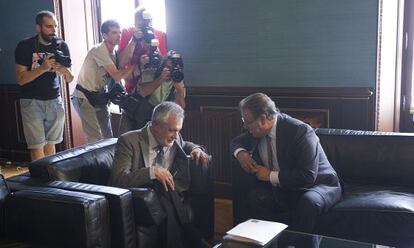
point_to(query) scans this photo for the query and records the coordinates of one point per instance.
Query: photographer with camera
(98, 71)
(137, 41)
(166, 84)
(39, 61)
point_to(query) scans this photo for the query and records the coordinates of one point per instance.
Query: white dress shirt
(169, 153)
(263, 152)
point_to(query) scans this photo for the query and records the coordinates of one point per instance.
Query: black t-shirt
(27, 53)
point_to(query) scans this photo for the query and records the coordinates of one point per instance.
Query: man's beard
(47, 38)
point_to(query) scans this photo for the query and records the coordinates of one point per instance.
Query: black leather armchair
(48, 217)
(87, 169)
(377, 171)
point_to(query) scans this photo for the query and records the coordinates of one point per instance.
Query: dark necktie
(270, 151)
(160, 155)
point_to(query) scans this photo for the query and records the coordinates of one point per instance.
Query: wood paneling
(12, 143)
(212, 117)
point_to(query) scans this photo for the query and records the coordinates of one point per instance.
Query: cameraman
(98, 71)
(37, 71)
(162, 88)
(135, 42)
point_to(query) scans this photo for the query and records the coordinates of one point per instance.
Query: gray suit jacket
(131, 162)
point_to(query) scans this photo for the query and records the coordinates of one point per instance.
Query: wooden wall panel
(12, 143)
(212, 117)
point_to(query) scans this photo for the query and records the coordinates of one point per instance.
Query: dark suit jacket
(131, 157)
(302, 161)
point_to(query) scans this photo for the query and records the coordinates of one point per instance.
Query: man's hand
(165, 177)
(137, 34)
(246, 161)
(48, 62)
(262, 173)
(165, 75)
(199, 156)
(179, 87)
(60, 69)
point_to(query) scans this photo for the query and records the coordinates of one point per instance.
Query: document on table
(253, 231)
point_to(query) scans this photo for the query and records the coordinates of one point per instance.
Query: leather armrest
(57, 218)
(147, 207)
(120, 201)
(201, 177)
(200, 197)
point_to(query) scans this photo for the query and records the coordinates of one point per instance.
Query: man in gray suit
(284, 174)
(155, 156)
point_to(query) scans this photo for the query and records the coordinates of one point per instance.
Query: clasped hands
(250, 166)
(50, 64)
(165, 177)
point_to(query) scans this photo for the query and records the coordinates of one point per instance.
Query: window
(122, 11)
(157, 10)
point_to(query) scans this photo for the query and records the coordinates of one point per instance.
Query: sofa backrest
(369, 157)
(90, 163)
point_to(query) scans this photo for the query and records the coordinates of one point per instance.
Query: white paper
(256, 231)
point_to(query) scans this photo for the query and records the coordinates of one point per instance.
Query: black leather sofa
(377, 174)
(86, 169)
(49, 217)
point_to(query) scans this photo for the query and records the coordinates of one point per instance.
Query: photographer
(39, 61)
(98, 71)
(135, 42)
(167, 85)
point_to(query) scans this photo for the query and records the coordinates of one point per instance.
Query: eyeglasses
(247, 123)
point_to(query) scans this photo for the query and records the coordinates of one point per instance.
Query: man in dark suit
(284, 174)
(155, 156)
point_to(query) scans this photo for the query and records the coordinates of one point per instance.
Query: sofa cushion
(368, 211)
(90, 163)
(369, 157)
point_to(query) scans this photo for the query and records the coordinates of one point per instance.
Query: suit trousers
(300, 209)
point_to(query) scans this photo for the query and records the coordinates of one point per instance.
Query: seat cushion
(371, 211)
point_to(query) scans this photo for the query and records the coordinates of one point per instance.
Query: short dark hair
(109, 24)
(259, 104)
(43, 13)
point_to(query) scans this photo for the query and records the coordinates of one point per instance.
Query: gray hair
(259, 104)
(162, 112)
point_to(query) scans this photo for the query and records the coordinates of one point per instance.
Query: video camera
(57, 54)
(117, 94)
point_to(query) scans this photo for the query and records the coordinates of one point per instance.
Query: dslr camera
(58, 55)
(147, 30)
(177, 66)
(154, 56)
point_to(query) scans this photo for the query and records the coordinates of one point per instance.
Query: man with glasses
(284, 174)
